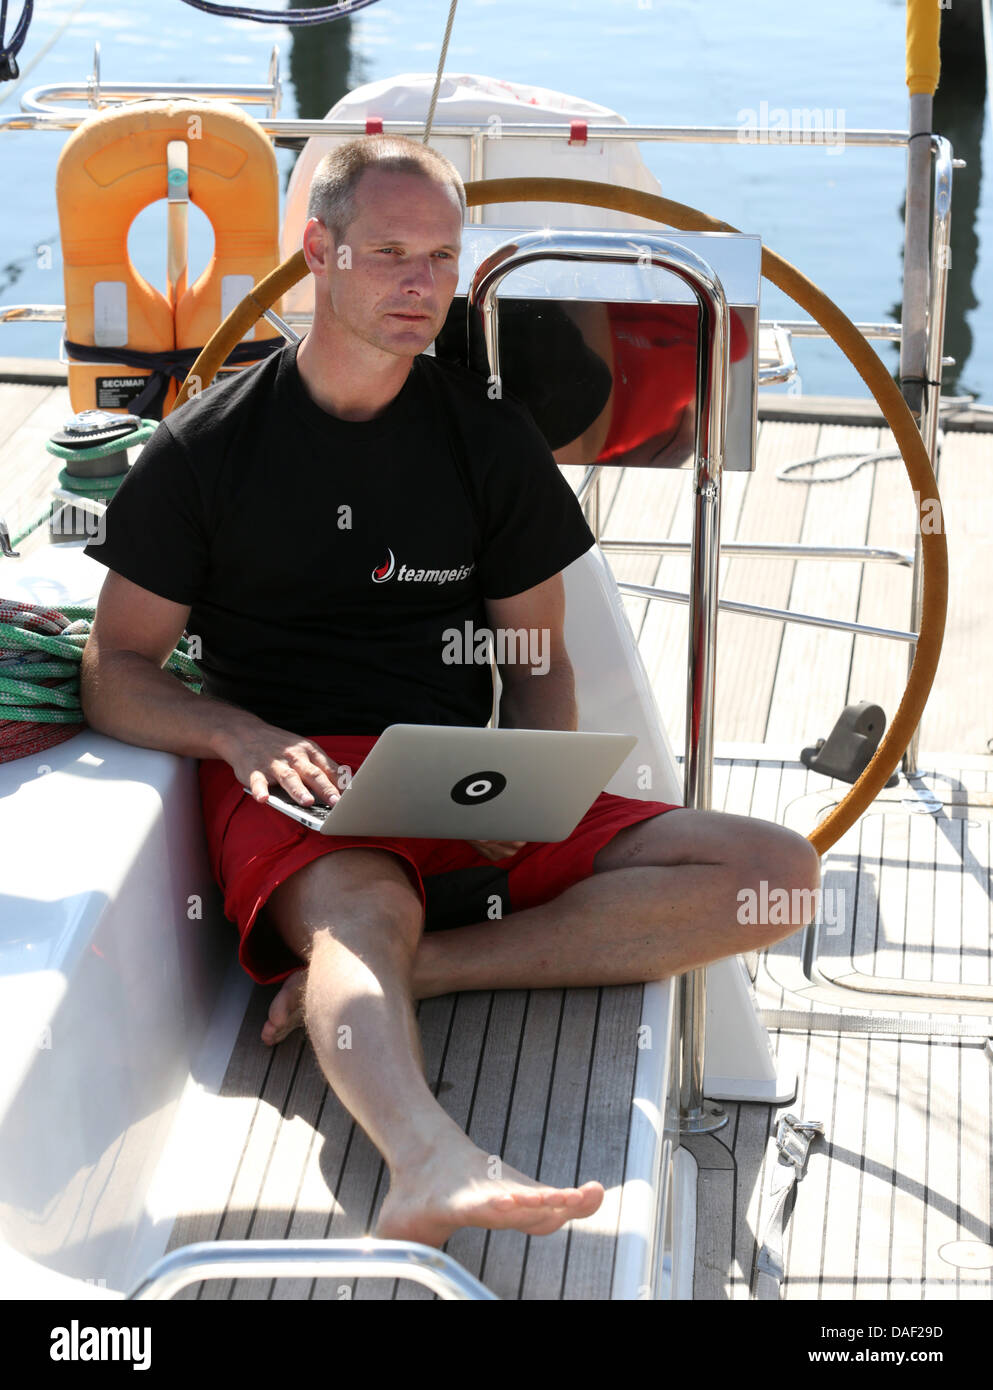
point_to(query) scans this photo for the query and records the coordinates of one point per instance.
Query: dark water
(835, 213)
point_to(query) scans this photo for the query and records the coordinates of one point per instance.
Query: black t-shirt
(327, 562)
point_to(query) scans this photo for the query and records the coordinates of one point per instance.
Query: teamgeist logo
(407, 573)
(385, 571)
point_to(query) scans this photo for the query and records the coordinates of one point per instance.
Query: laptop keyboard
(318, 810)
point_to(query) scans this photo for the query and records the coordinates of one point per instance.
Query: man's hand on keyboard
(268, 756)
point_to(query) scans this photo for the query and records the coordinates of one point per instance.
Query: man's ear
(317, 246)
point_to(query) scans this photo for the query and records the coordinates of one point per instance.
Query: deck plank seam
(315, 1130)
(472, 1098)
(544, 1133)
(223, 1216)
(512, 1091)
(582, 1134)
(333, 1208)
(627, 1148)
(232, 1284)
(268, 1163)
(860, 1191)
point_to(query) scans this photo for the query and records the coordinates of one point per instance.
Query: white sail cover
(488, 101)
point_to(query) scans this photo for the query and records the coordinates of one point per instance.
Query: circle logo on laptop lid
(478, 787)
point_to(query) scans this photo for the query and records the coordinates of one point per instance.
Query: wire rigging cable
(441, 68)
(291, 18)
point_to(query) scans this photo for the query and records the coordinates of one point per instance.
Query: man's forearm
(540, 701)
(130, 698)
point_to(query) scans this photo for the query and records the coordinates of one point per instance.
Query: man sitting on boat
(279, 509)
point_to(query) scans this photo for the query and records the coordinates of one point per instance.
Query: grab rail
(298, 128)
(934, 336)
(696, 1115)
(756, 610)
(862, 553)
(310, 1259)
(95, 92)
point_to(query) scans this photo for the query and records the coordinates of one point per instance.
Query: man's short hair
(332, 189)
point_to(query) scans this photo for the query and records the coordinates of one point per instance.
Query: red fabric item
(252, 849)
(21, 738)
(655, 370)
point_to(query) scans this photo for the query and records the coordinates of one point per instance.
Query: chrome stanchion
(696, 1115)
(931, 391)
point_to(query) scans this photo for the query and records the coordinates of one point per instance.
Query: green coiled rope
(40, 654)
(41, 647)
(30, 687)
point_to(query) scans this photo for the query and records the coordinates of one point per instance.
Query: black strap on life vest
(164, 366)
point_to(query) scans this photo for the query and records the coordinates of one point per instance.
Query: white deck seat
(613, 691)
(614, 695)
(112, 952)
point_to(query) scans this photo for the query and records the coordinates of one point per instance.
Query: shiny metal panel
(566, 318)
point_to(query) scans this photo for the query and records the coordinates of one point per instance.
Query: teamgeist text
(407, 572)
(388, 570)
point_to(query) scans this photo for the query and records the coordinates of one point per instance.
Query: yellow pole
(923, 59)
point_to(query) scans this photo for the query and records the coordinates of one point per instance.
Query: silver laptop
(447, 782)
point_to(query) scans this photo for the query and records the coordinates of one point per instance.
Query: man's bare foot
(428, 1203)
(286, 1010)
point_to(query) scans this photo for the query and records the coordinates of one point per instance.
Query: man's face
(394, 285)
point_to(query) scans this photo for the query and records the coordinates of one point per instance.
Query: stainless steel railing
(797, 551)
(780, 614)
(37, 116)
(589, 490)
(696, 1115)
(97, 93)
(310, 1259)
(941, 151)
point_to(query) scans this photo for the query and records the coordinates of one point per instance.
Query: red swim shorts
(253, 848)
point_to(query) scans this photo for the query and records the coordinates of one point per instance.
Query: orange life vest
(113, 166)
